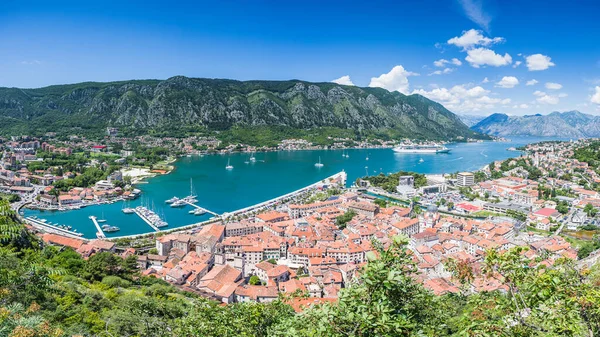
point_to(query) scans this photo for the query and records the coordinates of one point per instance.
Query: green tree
(254, 280)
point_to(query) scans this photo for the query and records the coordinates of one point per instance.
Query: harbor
(263, 182)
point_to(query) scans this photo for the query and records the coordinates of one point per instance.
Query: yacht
(252, 158)
(110, 229)
(228, 167)
(416, 148)
(128, 210)
(178, 203)
(172, 200)
(319, 164)
(199, 211)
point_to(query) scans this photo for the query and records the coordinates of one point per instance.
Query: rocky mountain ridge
(221, 104)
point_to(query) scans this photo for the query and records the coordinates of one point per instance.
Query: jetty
(51, 228)
(198, 207)
(100, 234)
(146, 220)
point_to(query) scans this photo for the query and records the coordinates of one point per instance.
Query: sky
(475, 57)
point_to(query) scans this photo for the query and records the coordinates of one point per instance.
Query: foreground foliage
(54, 292)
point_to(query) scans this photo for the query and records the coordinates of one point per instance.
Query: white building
(465, 179)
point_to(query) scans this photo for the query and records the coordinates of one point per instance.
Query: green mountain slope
(179, 102)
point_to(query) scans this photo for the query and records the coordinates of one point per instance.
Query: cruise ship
(416, 148)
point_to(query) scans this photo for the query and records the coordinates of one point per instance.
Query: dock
(146, 220)
(100, 234)
(52, 229)
(198, 207)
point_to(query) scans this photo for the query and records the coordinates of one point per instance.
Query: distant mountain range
(144, 106)
(566, 124)
(471, 120)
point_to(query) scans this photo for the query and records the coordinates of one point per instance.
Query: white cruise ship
(415, 148)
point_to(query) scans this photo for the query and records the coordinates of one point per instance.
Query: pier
(198, 207)
(146, 220)
(52, 229)
(100, 234)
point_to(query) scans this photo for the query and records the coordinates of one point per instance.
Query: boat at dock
(172, 200)
(110, 229)
(128, 210)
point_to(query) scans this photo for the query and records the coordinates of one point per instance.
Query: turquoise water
(273, 174)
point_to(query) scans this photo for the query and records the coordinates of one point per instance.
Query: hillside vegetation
(180, 104)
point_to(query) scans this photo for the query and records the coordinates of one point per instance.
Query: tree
(102, 264)
(381, 203)
(385, 301)
(540, 300)
(254, 280)
(345, 218)
(590, 210)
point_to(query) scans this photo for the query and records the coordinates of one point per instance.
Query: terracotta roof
(62, 241)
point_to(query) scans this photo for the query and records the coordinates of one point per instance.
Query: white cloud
(544, 98)
(462, 98)
(508, 82)
(562, 95)
(488, 100)
(344, 80)
(531, 82)
(485, 80)
(442, 72)
(521, 106)
(553, 86)
(32, 62)
(538, 62)
(474, 11)
(395, 80)
(471, 38)
(443, 62)
(517, 63)
(596, 97)
(440, 63)
(482, 56)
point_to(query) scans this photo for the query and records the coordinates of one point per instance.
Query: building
(465, 179)
(406, 187)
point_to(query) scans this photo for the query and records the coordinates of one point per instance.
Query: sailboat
(252, 158)
(319, 164)
(367, 157)
(102, 220)
(228, 167)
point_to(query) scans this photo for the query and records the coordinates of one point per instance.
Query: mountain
(566, 124)
(471, 120)
(142, 106)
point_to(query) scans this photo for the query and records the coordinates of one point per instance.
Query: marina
(150, 217)
(273, 174)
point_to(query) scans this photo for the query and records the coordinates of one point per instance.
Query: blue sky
(487, 51)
